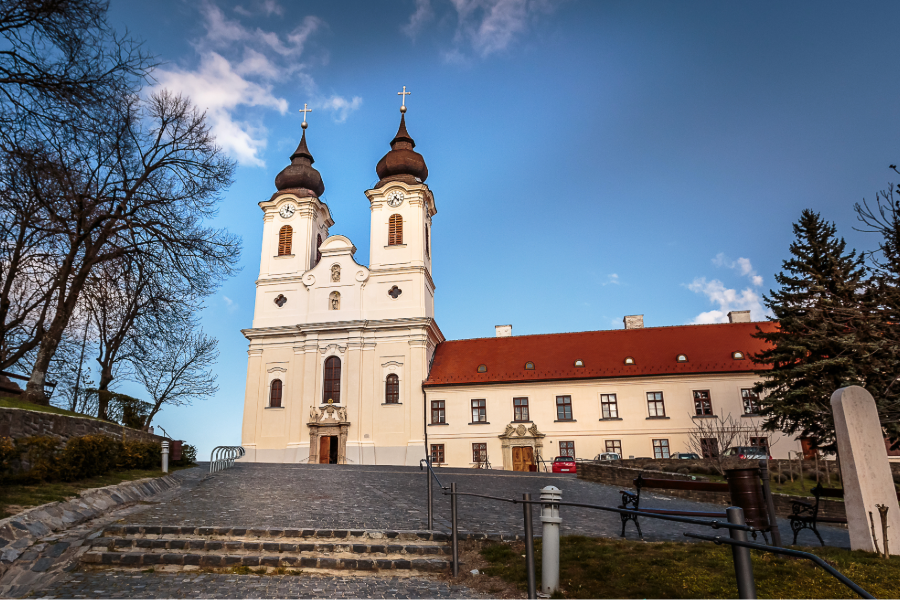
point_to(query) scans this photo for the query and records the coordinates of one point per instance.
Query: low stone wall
(19, 423)
(624, 476)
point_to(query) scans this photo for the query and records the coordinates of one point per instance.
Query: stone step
(418, 536)
(256, 546)
(216, 561)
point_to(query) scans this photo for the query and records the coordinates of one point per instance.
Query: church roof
(401, 163)
(300, 175)
(655, 351)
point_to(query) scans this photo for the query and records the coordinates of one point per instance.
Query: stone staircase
(191, 548)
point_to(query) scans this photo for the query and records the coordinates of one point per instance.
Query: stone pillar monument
(864, 469)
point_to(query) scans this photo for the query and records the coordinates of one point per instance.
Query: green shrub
(9, 452)
(89, 456)
(40, 456)
(140, 455)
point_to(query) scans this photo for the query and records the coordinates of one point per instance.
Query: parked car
(608, 456)
(564, 464)
(751, 452)
(686, 455)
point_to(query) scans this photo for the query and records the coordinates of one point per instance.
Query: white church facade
(347, 365)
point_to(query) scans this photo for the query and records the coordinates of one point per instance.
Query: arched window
(318, 243)
(275, 394)
(392, 389)
(395, 230)
(332, 387)
(285, 234)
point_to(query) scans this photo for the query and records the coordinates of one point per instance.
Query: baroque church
(347, 365)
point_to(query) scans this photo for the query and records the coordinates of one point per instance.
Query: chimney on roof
(503, 330)
(634, 321)
(739, 316)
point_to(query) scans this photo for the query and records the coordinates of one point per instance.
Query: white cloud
(266, 7)
(613, 279)
(487, 26)
(230, 305)
(340, 106)
(727, 299)
(419, 18)
(741, 265)
(238, 68)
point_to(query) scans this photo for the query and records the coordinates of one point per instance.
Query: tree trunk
(34, 390)
(102, 397)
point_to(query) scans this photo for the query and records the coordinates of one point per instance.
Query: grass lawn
(14, 497)
(609, 568)
(14, 403)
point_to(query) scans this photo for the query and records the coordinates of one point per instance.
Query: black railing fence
(734, 523)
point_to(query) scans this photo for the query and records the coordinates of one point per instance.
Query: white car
(608, 456)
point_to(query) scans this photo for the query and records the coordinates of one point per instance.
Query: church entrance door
(328, 450)
(523, 458)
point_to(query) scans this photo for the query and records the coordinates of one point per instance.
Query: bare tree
(176, 369)
(710, 437)
(145, 179)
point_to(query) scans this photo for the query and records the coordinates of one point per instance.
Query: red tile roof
(708, 349)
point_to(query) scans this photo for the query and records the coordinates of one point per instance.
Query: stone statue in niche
(335, 273)
(334, 301)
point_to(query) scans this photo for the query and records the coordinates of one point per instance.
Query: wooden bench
(805, 515)
(632, 501)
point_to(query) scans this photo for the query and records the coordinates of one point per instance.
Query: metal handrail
(787, 552)
(223, 457)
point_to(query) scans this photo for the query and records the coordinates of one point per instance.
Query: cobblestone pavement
(192, 585)
(383, 497)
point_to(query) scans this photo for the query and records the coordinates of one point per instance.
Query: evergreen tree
(825, 336)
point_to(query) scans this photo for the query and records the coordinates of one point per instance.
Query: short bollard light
(550, 496)
(165, 457)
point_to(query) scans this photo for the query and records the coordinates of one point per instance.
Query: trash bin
(175, 450)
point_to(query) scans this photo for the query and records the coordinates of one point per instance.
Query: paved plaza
(382, 497)
(362, 497)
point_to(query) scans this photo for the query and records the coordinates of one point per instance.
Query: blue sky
(589, 159)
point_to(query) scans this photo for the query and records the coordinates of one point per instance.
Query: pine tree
(825, 337)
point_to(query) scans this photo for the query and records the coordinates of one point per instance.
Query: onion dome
(402, 163)
(300, 177)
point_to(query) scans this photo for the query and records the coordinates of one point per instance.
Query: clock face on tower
(286, 211)
(395, 198)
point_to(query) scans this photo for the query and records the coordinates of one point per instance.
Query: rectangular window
(479, 411)
(520, 409)
(709, 447)
(751, 401)
(564, 408)
(614, 446)
(655, 404)
(609, 406)
(660, 448)
(702, 403)
(479, 453)
(437, 454)
(567, 449)
(760, 442)
(437, 411)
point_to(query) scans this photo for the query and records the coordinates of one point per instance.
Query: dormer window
(579, 363)
(681, 358)
(529, 366)
(482, 368)
(629, 360)
(737, 355)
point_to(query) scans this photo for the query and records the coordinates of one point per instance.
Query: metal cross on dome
(403, 95)
(304, 110)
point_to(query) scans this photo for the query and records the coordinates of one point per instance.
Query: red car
(563, 464)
